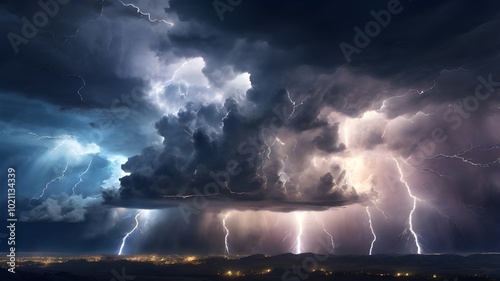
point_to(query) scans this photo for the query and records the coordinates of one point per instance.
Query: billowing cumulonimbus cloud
(61, 208)
(217, 151)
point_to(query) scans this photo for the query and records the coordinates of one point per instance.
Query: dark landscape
(259, 267)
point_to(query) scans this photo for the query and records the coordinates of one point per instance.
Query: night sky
(244, 126)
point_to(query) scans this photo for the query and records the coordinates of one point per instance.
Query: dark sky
(246, 126)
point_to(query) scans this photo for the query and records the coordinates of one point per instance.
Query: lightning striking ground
(226, 234)
(415, 199)
(372, 230)
(298, 242)
(124, 239)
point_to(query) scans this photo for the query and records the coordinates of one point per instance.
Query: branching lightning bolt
(148, 15)
(294, 104)
(159, 87)
(371, 228)
(59, 145)
(415, 199)
(460, 156)
(80, 177)
(124, 239)
(47, 184)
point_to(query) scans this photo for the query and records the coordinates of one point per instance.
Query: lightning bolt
(59, 145)
(226, 233)
(331, 237)
(82, 26)
(81, 87)
(298, 242)
(371, 228)
(384, 213)
(169, 82)
(420, 92)
(40, 137)
(294, 104)
(430, 170)
(384, 102)
(148, 15)
(50, 182)
(124, 239)
(448, 218)
(80, 177)
(460, 156)
(225, 117)
(46, 68)
(159, 87)
(286, 236)
(415, 199)
(283, 176)
(277, 220)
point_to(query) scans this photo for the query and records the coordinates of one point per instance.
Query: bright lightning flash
(124, 239)
(415, 199)
(300, 220)
(371, 228)
(226, 233)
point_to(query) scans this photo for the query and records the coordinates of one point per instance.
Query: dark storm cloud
(279, 36)
(328, 140)
(277, 59)
(299, 75)
(75, 54)
(221, 149)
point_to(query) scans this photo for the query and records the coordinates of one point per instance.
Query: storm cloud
(169, 107)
